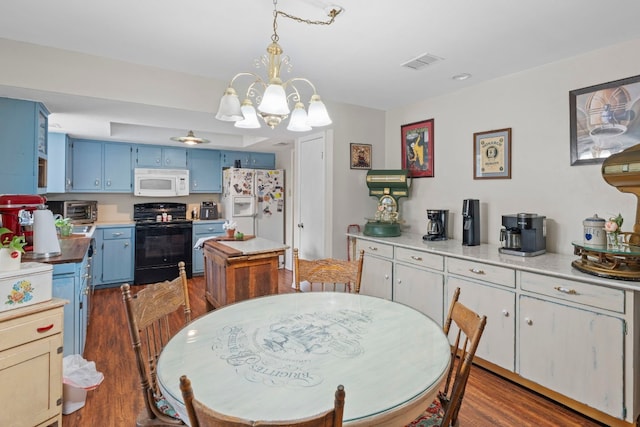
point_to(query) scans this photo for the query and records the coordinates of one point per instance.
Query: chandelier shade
(272, 95)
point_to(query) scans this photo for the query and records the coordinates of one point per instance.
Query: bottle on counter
(194, 214)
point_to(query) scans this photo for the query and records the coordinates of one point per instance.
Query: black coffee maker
(471, 222)
(524, 234)
(436, 224)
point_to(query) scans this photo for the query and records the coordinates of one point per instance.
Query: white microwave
(161, 182)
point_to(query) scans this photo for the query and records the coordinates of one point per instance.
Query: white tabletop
(281, 357)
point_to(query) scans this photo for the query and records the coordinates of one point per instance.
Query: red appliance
(16, 213)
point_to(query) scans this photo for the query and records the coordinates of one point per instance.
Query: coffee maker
(524, 234)
(16, 213)
(471, 222)
(436, 224)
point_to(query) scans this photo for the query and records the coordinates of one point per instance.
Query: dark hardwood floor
(489, 400)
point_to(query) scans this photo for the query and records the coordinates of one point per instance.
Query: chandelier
(273, 95)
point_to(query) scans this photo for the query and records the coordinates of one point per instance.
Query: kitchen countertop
(73, 250)
(255, 246)
(552, 264)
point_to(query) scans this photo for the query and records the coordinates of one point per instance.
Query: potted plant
(230, 226)
(64, 225)
(11, 251)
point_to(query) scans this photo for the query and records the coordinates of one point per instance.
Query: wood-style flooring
(489, 400)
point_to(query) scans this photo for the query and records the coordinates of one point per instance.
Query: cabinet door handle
(416, 258)
(44, 328)
(476, 271)
(97, 183)
(505, 312)
(399, 282)
(528, 321)
(373, 248)
(108, 183)
(126, 244)
(565, 290)
(386, 277)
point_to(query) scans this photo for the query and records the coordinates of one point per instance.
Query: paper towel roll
(45, 238)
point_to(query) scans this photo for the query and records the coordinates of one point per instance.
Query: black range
(163, 238)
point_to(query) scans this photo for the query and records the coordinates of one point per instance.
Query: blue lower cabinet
(204, 229)
(71, 282)
(114, 256)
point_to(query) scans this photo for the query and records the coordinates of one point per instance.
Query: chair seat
(432, 416)
(165, 407)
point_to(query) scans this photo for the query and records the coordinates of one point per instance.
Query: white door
(310, 230)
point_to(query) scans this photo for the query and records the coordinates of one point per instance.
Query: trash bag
(80, 373)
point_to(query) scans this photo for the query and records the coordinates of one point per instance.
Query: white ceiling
(357, 60)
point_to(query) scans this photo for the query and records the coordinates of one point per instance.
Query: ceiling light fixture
(462, 76)
(272, 95)
(190, 139)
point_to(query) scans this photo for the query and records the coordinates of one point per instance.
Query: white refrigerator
(254, 199)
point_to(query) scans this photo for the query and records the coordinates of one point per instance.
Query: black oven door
(159, 248)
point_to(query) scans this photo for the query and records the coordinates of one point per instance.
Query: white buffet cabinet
(568, 335)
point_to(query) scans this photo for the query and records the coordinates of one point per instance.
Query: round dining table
(281, 357)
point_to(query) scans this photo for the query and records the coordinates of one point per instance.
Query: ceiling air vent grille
(421, 61)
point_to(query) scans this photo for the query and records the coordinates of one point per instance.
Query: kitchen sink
(86, 229)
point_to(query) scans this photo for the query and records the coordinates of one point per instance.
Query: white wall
(535, 105)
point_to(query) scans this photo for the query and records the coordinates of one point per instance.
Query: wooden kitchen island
(240, 269)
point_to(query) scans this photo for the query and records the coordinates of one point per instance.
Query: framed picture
(360, 156)
(492, 154)
(417, 148)
(604, 120)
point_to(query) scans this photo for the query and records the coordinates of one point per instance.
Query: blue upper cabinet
(247, 159)
(23, 141)
(153, 156)
(205, 173)
(99, 166)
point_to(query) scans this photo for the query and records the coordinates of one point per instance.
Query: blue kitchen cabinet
(99, 166)
(71, 281)
(248, 159)
(155, 156)
(262, 161)
(205, 173)
(114, 256)
(202, 229)
(59, 156)
(23, 141)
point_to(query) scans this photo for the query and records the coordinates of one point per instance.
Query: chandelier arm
(257, 78)
(300, 79)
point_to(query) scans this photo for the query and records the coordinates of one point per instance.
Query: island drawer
(570, 290)
(423, 259)
(480, 271)
(375, 248)
(117, 233)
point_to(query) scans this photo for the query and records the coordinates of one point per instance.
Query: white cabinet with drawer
(31, 365)
(377, 269)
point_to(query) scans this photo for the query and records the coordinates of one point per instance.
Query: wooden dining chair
(443, 411)
(148, 315)
(201, 415)
(328, 272)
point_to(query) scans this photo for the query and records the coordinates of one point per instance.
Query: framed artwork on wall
(604, 120)
(417, 141)
(360, 156)
(492, 154)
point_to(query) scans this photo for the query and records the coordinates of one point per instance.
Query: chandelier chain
(332, 14)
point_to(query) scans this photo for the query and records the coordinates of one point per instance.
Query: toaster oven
(78, 211)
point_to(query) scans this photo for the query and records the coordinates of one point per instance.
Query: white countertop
(257, 245)
(558, 265)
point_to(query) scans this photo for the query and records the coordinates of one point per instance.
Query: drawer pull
(565, 290)
(476, 271)
(44, 328)
(373, 248)
(116, 234)
(416, 258)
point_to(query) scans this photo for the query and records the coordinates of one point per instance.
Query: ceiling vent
(421, 61)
